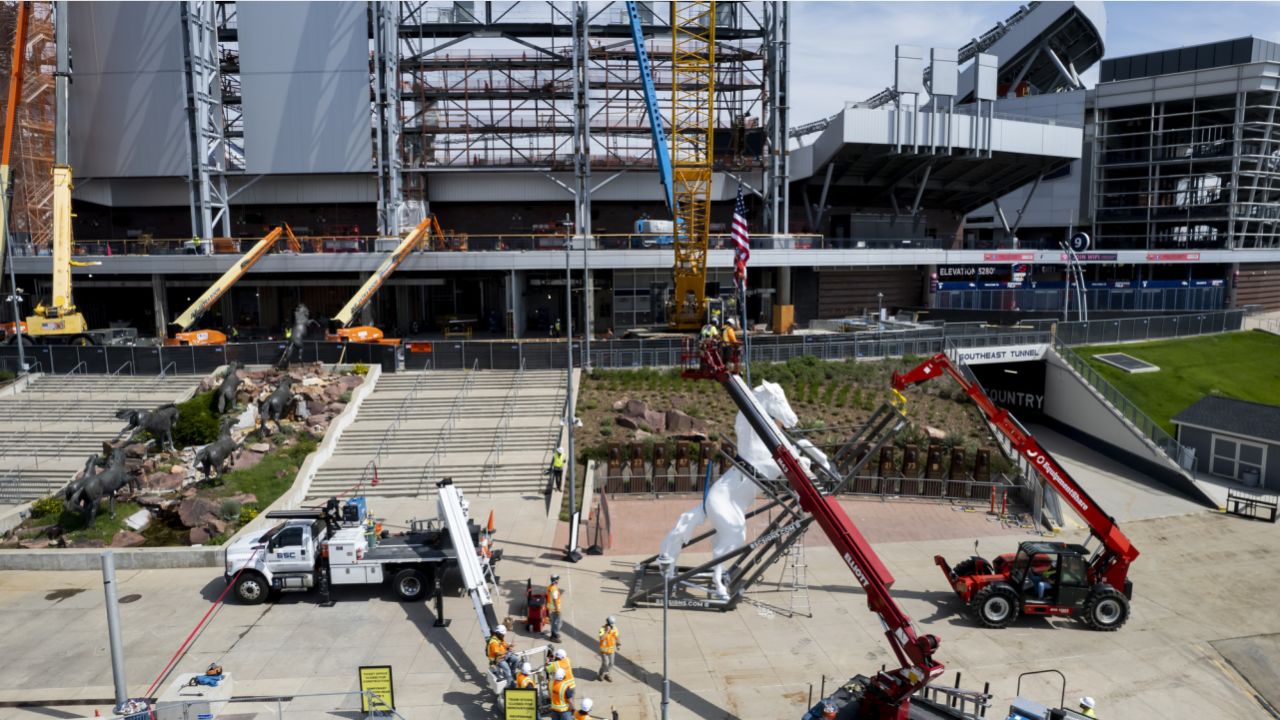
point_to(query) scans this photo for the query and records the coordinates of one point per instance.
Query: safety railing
(1149, 429)
(490, 471)
(445, 433)
(355, 704)
(11, 492)
(389, 434)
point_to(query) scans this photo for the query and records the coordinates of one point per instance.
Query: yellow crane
(184, 322)
(418, 237)
(693, 54)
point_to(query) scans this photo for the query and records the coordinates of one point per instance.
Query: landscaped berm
(1241, 365)
(222, 469)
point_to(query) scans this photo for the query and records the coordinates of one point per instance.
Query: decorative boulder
(127, 539)
(196, 512)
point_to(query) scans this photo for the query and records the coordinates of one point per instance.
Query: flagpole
(746, 343)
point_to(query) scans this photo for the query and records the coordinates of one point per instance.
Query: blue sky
(844, 50)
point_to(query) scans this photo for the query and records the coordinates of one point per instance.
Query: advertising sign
(1017, 387)
(1173, 256)
(1009, 257)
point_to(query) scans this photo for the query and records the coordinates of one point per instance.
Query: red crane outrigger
(1095, 588)
(888, 694)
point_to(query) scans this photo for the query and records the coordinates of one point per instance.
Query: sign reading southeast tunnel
(1018, 387)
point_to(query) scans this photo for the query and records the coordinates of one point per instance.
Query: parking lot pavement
(1201, 578)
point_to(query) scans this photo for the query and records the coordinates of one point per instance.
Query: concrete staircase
(418, 428)
(48, 430)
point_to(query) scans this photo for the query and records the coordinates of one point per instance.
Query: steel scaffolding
(207, 176)
(31, 214)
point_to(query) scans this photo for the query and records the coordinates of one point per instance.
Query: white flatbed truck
(316, 548)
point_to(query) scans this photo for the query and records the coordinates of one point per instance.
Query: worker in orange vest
(560, 660)
(609, 646)
(498, 650)
(524, 678)
(583, 712)
(561, 696)
(553, 606)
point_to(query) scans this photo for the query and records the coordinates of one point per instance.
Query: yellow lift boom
(418, 237)
(693, 25)
(184, 322)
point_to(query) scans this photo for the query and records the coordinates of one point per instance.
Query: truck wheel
(996, 606)
(1106, 609)
(252, 588)
(410, 585)
(972, 566)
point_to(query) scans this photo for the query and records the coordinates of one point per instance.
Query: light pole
(571, 552)
(13, 303)
(664, 566)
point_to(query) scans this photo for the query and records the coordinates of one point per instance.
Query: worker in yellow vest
(557, 467)
(583, 712)
(560, 661)
(561, 692)
(554, 606)
(497, 651)
(609, 646)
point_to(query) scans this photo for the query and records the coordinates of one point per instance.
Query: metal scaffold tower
(31, 213)
(795, 576)
(207, 176)
(693, 28)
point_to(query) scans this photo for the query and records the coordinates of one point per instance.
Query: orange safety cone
(97, 713)
(489, 528)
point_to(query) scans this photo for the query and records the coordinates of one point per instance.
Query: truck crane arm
(411, 242)
(192, 315)
(1112, 563)
(656, 128)
(891, 689)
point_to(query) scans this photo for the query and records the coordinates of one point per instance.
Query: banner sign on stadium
(1009, 257)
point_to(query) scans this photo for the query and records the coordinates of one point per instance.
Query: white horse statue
(730, 497)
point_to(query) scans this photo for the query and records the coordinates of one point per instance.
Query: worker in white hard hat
(561, 696)
(554, 605)
(557, 467)
(559, 659)
(609, 646)
(524, 678)
(1086, 707)
(498, 651)
(584, 711)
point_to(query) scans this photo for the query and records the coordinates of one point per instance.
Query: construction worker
(557, 467)
(609, 646)
(715, 316)
(553, 607)
(560, 660)
(497, 652)
(1086, 707)
(193, 245)
(582, 713)
(561, 696)
(524, 678)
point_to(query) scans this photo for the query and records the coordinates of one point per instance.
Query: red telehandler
(887, 696)
(1041, 578)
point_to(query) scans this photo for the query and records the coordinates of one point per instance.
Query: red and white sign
(1173, 257)
(1008, 257)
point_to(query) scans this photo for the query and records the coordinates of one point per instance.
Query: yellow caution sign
(377, 688)
(520, 704)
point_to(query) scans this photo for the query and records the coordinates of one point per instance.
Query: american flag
(741, 241)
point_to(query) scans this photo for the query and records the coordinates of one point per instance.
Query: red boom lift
(1041, 578)
(887, 696)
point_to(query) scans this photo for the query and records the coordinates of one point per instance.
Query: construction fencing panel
(190, 359)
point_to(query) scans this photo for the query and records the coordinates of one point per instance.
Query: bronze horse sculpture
(277, 404)
(85, 495)
(227, 390)
(159, 422)
(301, 323)
(217, 453)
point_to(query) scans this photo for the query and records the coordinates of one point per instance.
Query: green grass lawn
(1242, 365)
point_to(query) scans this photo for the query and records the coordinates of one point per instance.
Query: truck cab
(284, 557)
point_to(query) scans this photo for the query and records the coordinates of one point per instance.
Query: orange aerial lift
(184, 322)
(419, 237)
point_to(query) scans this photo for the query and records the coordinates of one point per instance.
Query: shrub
(842, 397)
(197, 421)
(6, 376)
(45, 507)
(360, 369)
(247, 514)
(229, 509)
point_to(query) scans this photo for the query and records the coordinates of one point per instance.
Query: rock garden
(195, 472)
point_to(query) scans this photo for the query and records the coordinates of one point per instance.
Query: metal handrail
(1124, 407)
(394, 427)
(446, 431)
(490, 471)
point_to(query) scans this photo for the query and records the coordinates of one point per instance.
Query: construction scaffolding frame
(207, 176)
(31, 213)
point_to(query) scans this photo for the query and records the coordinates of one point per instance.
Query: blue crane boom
(651, 104)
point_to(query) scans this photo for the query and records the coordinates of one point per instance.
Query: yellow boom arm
(417, 237)
(233, 275)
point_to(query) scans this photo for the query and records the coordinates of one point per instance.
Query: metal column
(386, 64)
(776, 76)
(113, 628)
(207, 175)
(582, 164)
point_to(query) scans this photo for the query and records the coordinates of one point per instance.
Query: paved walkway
(1125, 493)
